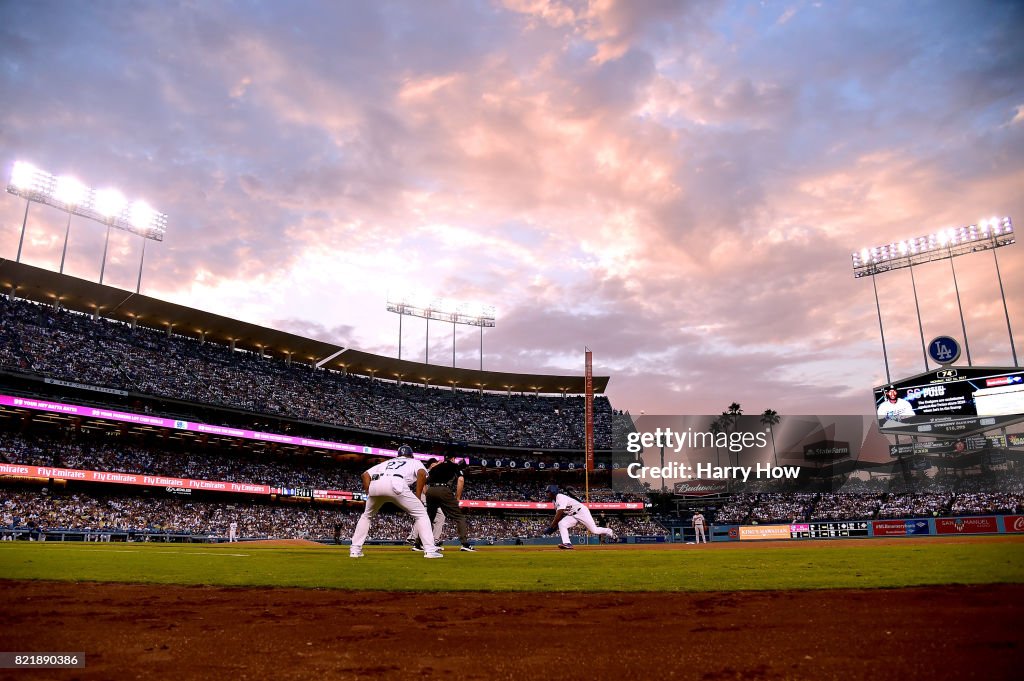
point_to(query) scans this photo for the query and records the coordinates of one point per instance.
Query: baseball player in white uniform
(698, 527)
(233, 531)
(390, 481)
(894, 407)
(437, 526)
(568, 512)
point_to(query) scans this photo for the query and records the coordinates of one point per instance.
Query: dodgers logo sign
(944, 350)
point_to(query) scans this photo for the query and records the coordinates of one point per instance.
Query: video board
(951, 402)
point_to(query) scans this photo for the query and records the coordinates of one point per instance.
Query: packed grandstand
(517, 442)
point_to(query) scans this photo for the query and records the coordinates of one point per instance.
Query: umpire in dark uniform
(444, 490)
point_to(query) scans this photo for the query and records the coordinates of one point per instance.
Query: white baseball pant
(438, 525)
(581, 516)
(393, 488)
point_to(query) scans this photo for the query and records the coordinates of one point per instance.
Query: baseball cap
(405, 450)
(552, 489)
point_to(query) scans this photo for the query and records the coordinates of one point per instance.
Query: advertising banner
(133, 479)
(889, 528)
(827, 449)
(919, 526)
(241, 433)
(1014, 523)
(762, 532)
(701, 488)
(548, 506)
(899, 528)
(982, 524)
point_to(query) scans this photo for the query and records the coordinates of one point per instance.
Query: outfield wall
(863, 529)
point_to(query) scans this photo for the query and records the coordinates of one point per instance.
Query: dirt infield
(136, 631)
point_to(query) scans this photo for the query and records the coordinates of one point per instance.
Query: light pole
(71, 193)
(467, 314)
(106, 206)
(963, 324)
(942, 245)
(917, 306)
(999, 277)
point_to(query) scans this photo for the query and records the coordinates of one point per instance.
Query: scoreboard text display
(951, 402)
(817, 530)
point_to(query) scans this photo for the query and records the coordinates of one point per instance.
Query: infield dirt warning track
(135, 631)
(199, 632)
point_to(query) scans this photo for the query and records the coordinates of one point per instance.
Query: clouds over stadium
(677, 185)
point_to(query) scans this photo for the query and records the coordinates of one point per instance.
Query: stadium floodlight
(988, 234)
(31, 182)
(141, 215)
(69, 192)
(106, 206)
(109, 202)
(944, 243)
(440, 309)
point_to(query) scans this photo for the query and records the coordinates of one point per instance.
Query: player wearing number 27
(568, 512)
(390, 481)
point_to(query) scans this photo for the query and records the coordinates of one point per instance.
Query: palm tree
(770, 417)
(727, 426)
(730, 420)
(716, 428)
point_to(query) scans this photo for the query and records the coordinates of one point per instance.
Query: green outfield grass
(842, 564)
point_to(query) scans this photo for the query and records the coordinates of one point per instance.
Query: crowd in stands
(65, 345)
(155, 516)
(245, 466)
(993, 492)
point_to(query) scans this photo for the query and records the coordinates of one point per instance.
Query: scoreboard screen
(842, 528)
(305, 492)
(951, 402)
(829, 530)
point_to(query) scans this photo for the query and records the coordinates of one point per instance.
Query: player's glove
(549, 530)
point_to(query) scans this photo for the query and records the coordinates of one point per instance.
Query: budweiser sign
(701, 488)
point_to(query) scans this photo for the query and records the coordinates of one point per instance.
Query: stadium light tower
(106, 206)
(469, 314)
(987, 235)
(71, 193)
(31, 184)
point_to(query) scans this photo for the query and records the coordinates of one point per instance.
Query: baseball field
(928, 608)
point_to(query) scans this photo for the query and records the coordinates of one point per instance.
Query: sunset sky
(677, 185)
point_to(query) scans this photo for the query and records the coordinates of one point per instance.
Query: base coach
(444, 490)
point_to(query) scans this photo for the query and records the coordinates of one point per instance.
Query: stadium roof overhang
(45, 286)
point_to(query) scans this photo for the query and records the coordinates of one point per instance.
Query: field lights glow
(107, 206)
(987, 234)
(985, 230)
